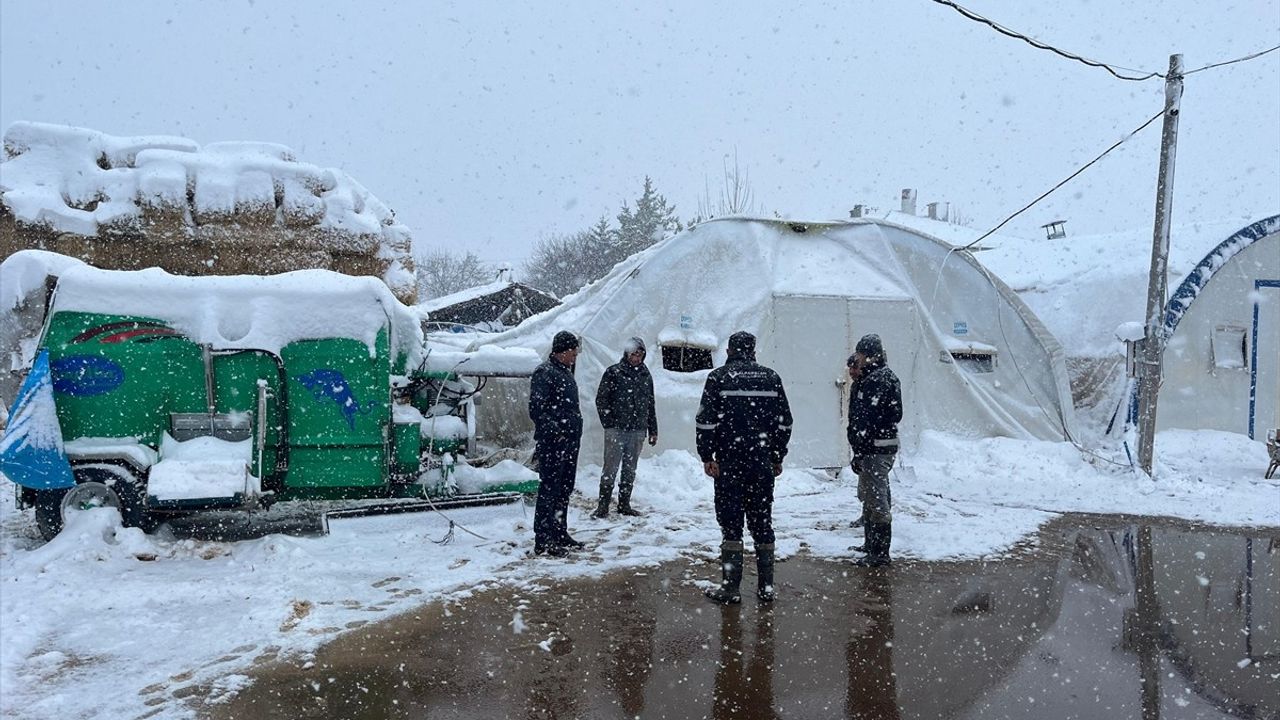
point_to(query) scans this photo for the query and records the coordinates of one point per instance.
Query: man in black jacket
(743, 427)
(557, 434)
(875, 409)
(625, 404)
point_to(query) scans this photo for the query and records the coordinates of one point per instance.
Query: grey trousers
(873, 488)
(621, 450)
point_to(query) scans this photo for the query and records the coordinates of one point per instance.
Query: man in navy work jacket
(557, 434)
(743, 427)
(875, 409)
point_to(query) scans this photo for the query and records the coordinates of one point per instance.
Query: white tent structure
(973, 359)
(1222, 334)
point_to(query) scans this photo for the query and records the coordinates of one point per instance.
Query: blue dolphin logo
(329, 383)
(85, 375)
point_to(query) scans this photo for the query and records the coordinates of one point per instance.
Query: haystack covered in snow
(972, 358)
(232, 208)
(1222, 338)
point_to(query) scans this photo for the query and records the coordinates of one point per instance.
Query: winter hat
(633, 345)
(870, 346)
(742, 343)
(564, 340)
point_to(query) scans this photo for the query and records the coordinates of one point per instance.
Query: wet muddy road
(1102, 618)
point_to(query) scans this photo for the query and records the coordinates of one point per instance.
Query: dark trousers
(557, 465)
(745, 490)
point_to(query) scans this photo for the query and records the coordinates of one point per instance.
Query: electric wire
(1113, 69)
(1070, 177)
(1232, 62)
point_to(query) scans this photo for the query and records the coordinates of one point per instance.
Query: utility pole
(1149, 367)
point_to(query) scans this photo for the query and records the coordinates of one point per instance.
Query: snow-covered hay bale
(221, 209)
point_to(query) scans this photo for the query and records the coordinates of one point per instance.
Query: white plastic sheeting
(808, 291)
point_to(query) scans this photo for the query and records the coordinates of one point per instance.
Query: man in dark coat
(624, 401)
(875, 409)
(557, 433)
(743, 427)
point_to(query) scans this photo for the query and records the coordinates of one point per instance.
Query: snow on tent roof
(1203, 272)
(243, 311)
(1085, 286)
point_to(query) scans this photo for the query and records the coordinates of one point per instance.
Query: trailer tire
(129, 490)
(49, 512)
(126, 494)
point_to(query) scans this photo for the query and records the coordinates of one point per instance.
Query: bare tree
(442, 272)
(736, 195)
(557, 263)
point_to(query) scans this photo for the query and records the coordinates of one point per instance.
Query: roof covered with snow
(1203, 272)
(242, 311)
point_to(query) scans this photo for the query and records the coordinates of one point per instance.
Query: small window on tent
(1229, 347)
(972, 357)
(683, 357)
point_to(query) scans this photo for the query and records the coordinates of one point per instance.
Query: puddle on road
(1106, 618)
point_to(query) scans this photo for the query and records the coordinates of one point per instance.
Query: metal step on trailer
(396, 507)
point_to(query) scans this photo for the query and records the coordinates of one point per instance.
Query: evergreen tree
(600, 245)
(652, 220)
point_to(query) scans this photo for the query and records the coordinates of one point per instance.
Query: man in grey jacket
(625, 403)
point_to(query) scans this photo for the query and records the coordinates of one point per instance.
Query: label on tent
(959, 327)
(686, 322)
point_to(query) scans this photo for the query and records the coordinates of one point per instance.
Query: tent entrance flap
(811, 337)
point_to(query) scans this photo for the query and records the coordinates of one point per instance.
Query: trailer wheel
(127, 489)
(49, 512)
(96, 486)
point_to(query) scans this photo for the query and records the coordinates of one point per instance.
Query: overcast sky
(487, 125)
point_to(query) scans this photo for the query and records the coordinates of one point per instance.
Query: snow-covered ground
(106, 622)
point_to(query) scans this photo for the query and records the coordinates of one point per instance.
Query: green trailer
(179, 394)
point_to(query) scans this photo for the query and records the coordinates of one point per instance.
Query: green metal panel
(119, 376)
(236, 375)
(407, 443)
(339, 412)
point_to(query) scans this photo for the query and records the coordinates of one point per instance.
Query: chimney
(908, 201)
(858, 211)
(1055, 230)
(939, 211)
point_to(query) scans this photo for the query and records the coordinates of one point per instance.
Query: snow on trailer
(973, 359)
(178, 394)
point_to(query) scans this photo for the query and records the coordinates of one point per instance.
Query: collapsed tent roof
(972, 357)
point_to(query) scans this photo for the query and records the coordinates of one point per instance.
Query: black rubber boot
(624, 503)
(602, 507)
(731, 575)
(879, 537)
(764, 573)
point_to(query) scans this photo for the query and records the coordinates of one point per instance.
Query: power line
(1232, 62)
(1043, 46)
(1084, 167)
